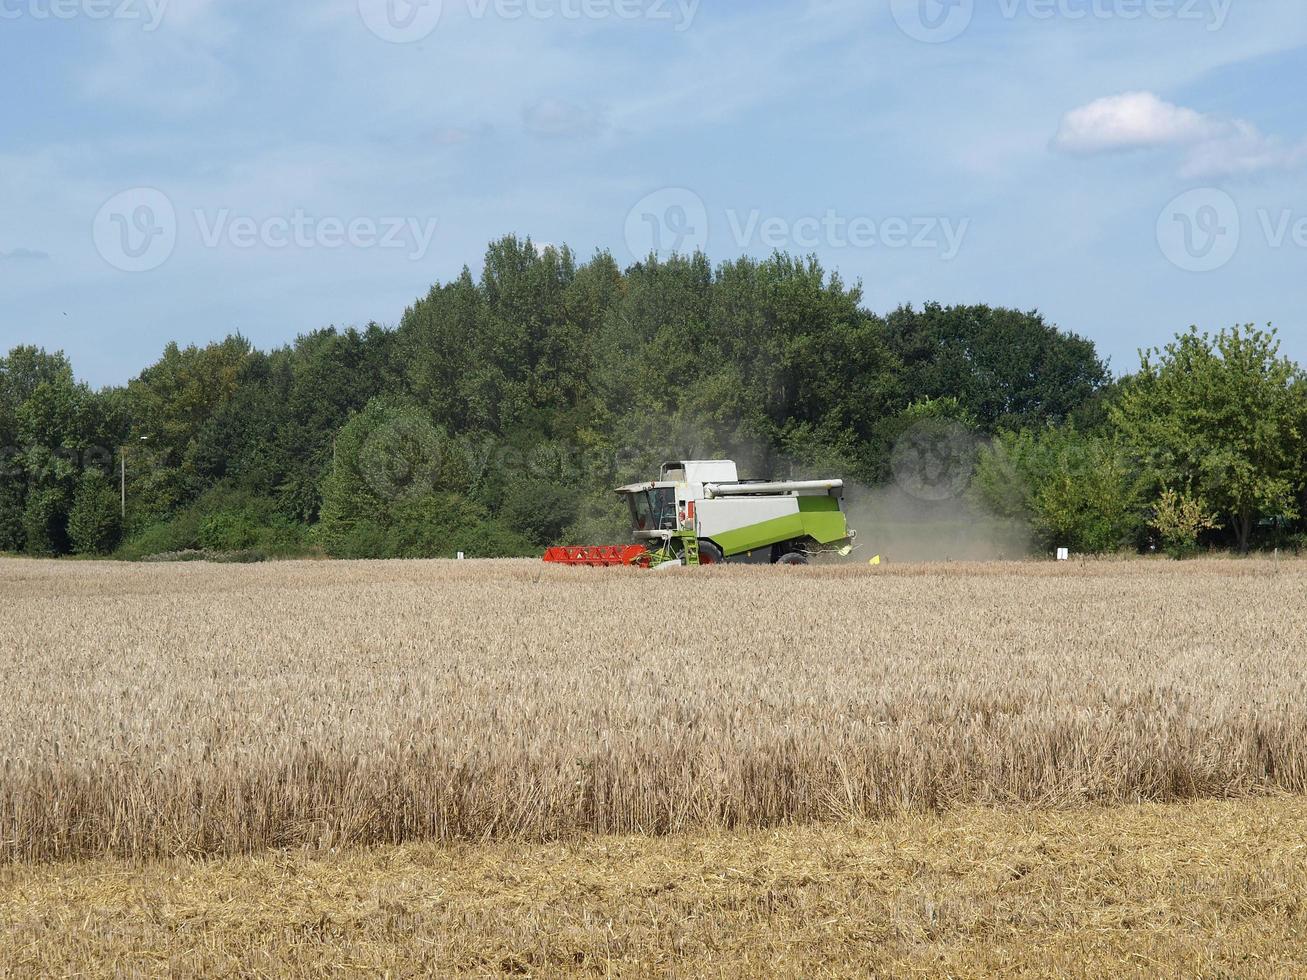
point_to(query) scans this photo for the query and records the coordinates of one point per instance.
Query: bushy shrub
(245, 556)
(602, 519)
(95, 521)
(181, 533)
(540, 510)
(228, 531)
(1074, 491)
(1179, 518)
(11, 516)
(434, 526)
(45, 523)
(221, 521)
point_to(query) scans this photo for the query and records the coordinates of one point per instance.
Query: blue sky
(183, 169)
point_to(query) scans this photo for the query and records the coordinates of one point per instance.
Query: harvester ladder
(690, 547)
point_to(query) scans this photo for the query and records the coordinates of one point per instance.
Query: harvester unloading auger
(700, 512)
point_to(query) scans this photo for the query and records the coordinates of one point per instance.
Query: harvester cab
(699, 512)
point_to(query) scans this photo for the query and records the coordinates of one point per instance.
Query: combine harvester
(700, 513)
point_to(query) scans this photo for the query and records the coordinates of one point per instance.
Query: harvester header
(699, 512)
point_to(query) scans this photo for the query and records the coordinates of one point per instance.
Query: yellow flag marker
(875, 561)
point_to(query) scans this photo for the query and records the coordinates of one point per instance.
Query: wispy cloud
(24, 255)
(188, 50)
(1213, 146)
(556, 119)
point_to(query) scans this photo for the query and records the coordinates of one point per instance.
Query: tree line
(495, 418)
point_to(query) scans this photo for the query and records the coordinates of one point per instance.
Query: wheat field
(174, 711)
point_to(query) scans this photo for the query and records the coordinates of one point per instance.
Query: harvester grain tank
(699, 512)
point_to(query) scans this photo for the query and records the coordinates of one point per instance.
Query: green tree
(1074, 491)
(538, 382)
(52, 428)
(387, 457)
(540, 509)
(1008, 369)
(12, 504)
(45, 523)
(95, 520)
(1179, 518)
(1224, 416)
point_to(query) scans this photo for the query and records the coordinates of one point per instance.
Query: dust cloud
(900, 527)
(927, 511)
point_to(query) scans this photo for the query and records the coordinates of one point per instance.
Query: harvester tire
(793, 558)
(710, 554)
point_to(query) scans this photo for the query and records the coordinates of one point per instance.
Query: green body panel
(819, 518)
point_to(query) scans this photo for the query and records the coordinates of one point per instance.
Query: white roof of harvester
(701, 471)
(695, 472)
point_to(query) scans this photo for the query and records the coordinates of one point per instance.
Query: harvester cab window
(664, 508)
(654, 510)
(641, 511)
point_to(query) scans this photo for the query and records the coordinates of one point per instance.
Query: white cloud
(1214, 146)
(1132, 121)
